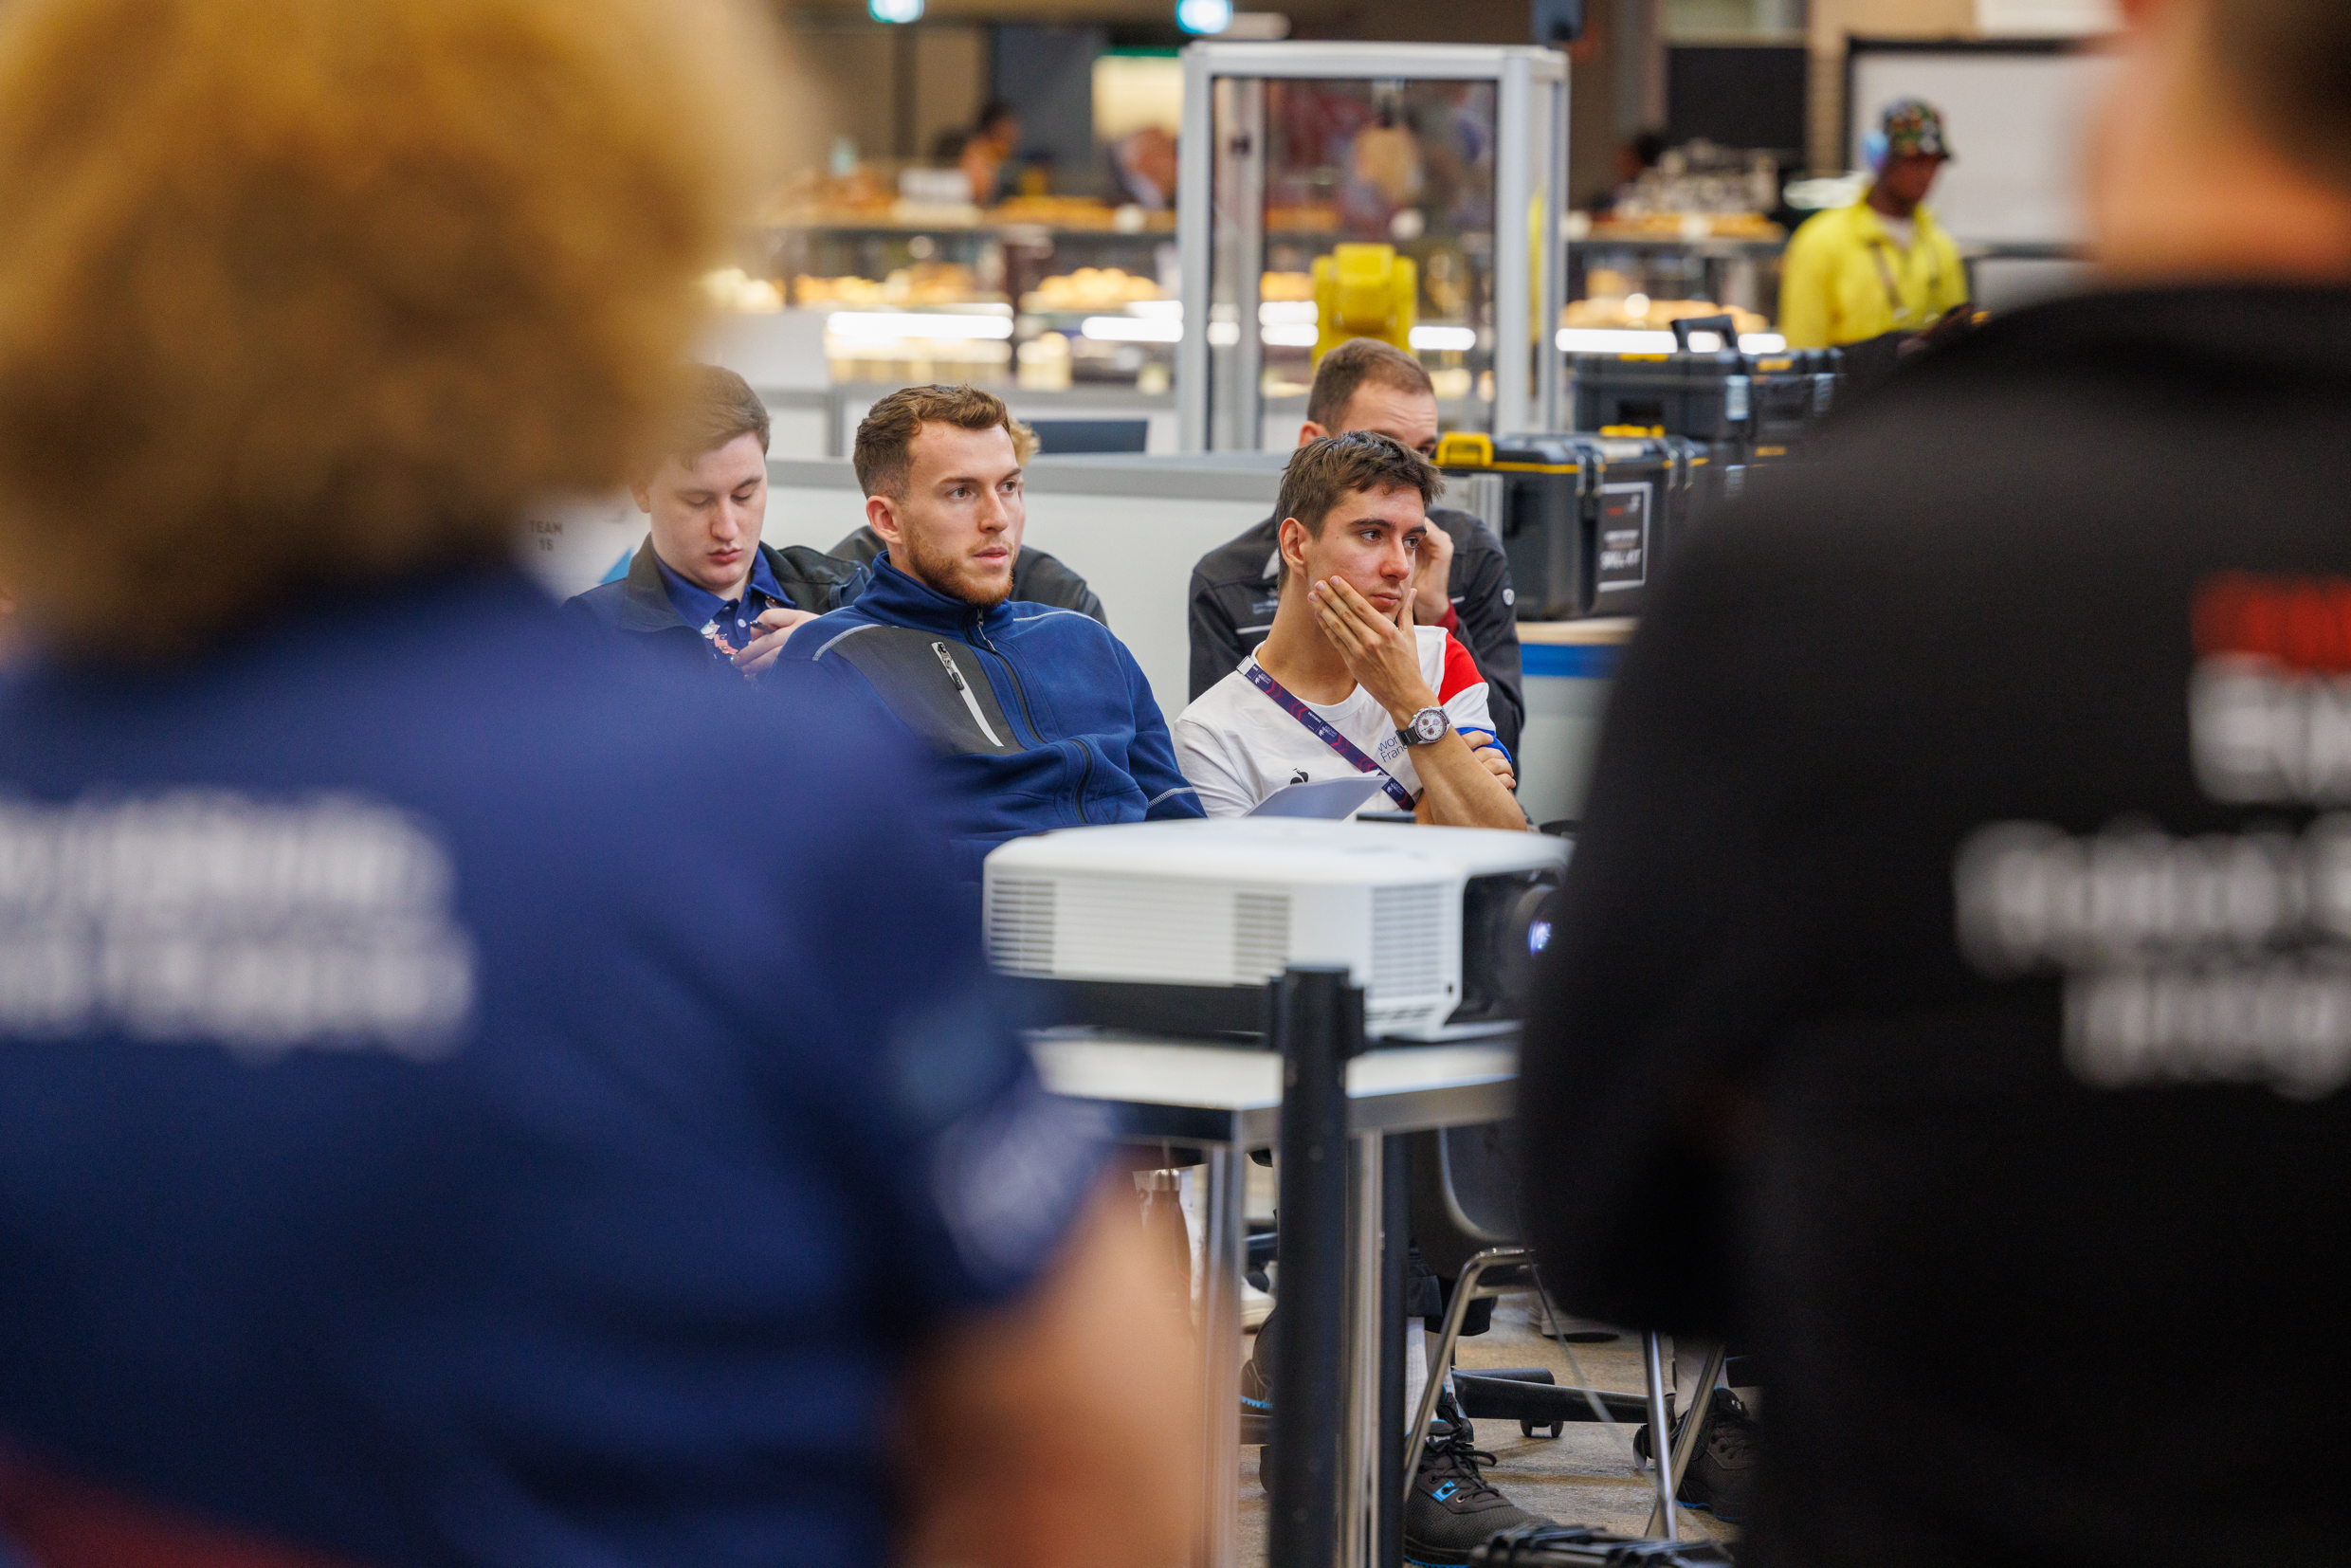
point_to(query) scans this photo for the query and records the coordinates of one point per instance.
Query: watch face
(1429, 726)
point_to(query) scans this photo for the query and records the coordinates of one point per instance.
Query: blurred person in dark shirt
(1951, 992)
(471, 1093)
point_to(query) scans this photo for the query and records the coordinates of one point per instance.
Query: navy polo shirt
(726, 625)
(439, 1128)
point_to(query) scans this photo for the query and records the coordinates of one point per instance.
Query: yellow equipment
(1364, 291)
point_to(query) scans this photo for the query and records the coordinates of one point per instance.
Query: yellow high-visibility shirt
(1845, 279)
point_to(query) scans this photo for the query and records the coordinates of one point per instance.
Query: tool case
(1587, 519)
(1572, 1546)
(1767, 402)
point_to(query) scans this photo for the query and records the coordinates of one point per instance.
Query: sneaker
(1256, 1405)
(1454, 1509)
(1721, 1476)
(1257, 1307)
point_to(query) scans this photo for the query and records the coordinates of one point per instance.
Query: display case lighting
(1444, 340)
(1132, 329)
(878, 325)
(1303, 336)
(1625, 340)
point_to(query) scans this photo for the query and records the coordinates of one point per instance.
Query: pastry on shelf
(923, 283)
(1091, 288)
(1639, 313)
(1055, 211)
(1689, 226)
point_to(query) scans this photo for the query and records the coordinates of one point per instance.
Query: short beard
(948, 574)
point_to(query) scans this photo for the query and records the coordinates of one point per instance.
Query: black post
(1396, 1220)
(1318, 1023)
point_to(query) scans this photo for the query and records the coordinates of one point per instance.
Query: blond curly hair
(297, 293)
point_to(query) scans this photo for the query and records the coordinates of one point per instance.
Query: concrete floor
(1587, 1476)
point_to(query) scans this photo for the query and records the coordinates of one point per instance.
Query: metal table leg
(1693, 1422)
(1660, 1436)
(1360, 1443)
(1222, 1262)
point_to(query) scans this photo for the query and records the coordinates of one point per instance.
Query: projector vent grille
(1406, 963)
(1020, 926)
(1261, 937)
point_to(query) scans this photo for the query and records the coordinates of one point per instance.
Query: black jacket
(639, 602)
(1037, 577)
(1949, 996)
(1237, 586)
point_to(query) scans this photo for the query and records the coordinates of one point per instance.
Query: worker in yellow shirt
(1881, 264)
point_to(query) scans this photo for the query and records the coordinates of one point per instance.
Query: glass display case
(1404, 191)
(1042, 293)
(1627, 280)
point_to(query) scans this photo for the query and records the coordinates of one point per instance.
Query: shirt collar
(697, 606)
(1921, 222)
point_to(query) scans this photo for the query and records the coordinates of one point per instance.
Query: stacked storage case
(1588, 521)
(1747, 410)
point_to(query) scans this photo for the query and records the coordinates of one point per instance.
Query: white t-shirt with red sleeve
(1236, 745)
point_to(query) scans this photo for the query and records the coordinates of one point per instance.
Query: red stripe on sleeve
(1460, 671)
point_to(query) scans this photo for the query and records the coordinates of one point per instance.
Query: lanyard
(1878, 250)
(1319, 728)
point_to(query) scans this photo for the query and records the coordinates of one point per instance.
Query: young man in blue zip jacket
(1045, 717)
(703, 590)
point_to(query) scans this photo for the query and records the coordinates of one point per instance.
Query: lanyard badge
(1320, 729)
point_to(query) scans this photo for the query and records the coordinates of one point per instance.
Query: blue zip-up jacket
(1045, 717)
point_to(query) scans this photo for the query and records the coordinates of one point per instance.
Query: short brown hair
(884, 451)
(1346, 368)
(2289, 63)
(309, 294)
(718, 406)
(1324, 472)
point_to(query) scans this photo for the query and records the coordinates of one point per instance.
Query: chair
(1464, 1187)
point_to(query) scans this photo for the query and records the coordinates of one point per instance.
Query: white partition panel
(2018, 117)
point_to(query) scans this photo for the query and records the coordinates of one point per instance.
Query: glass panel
(1408, 164)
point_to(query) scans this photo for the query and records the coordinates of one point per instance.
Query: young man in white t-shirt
(1345, 684)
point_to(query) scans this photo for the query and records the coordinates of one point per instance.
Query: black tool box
(1588, 521)
(1766, 403)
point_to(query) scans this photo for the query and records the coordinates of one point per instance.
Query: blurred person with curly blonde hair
(404, 1157)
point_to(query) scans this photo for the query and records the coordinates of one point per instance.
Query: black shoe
(1256, 1405)
(1452, 1510)
(1721, 1476)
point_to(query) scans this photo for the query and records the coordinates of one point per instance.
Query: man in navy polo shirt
(1042, 717)
(704, 588)
(470, 1095)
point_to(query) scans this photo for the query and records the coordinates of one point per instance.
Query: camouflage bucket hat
(1913, 128)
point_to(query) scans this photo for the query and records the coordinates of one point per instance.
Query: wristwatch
(1427, 728)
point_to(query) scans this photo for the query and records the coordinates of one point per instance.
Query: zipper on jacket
(1085, 758)
(1019, 695)
(964, 690)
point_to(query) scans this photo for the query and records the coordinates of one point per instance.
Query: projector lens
(1505, 925)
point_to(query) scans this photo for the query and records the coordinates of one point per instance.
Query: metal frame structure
(1224, 154)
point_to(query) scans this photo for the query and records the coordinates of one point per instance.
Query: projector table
(1226, 1102)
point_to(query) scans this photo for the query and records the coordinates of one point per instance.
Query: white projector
(1175, 927)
